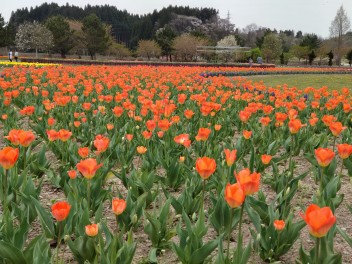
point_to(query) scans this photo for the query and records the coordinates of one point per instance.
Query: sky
(309, 16)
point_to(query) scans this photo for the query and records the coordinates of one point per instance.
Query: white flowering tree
(34, 36)
(227, 42)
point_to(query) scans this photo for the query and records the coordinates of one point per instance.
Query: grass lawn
(332, 81)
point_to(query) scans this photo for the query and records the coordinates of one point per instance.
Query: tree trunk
(36, 53)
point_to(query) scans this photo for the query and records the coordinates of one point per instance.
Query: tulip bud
(194, 217)
(134, 219)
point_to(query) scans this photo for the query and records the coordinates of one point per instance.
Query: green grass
(332, 81)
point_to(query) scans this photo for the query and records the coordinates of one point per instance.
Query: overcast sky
(310, 16)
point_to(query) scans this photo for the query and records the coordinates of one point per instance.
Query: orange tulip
(234, 195)
(72, 174)
(164, 124)
(26, 138)
(344, 150)
(266, 159)
(8, 157)
(147, 134)
(205, 167)
(247, 134)
(324, 156)
(101, 143)
(336, 128)
(109, 126)
(230, 156)
(217, 127)
(279, 224)
(83, 152)
(295, 125)
(319, 220)
(88, 167)
(249, 181)
(203, 134)
(64, 135)
(265, 121)
(20, 137)
(129, 137)
(188, 114)
(182, 139)
(60, 210)
(92, 230)
(151, 125)
(118, 206)
(141, 150)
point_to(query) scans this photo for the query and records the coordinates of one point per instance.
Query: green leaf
(202, 253)
(9, 252)
(152, 256)
(45, 219)
(344, 235)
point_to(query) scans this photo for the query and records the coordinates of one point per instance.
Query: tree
(2, 32)
(349, 57)
(299, 52)
(331, 56)
(33, 36)
(164, 37)
(228, 41)
(271, 48)
(148, 49)
(311, 41)
(63, 35)
(95, 35)
(311, 57)
(339, 26)
(119, 51)
(323, 50)
(185, 46)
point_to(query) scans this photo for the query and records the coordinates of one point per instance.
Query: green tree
(2, 32)
(63, 35)
(164, 37)
(34, 36)
(299, 52)
(311, 57)
(271, 47)
(95, 34)
(349, 57)
(311, 41)
(331, 56)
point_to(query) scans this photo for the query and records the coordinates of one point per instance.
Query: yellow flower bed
(8, 63)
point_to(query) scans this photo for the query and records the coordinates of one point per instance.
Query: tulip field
(141, 164)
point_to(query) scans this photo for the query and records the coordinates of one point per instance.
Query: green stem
(58, 243)
(239, 238)
(117, 227)
(5, 191)
(229, 235)
(203, 191)
(317, 251)
(88, 196)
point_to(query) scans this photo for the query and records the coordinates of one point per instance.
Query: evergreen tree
(164, 37)
(311, 57)
(2, 32)
(63, 35)
(331, 56)
(95, 35)
(349, 57)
